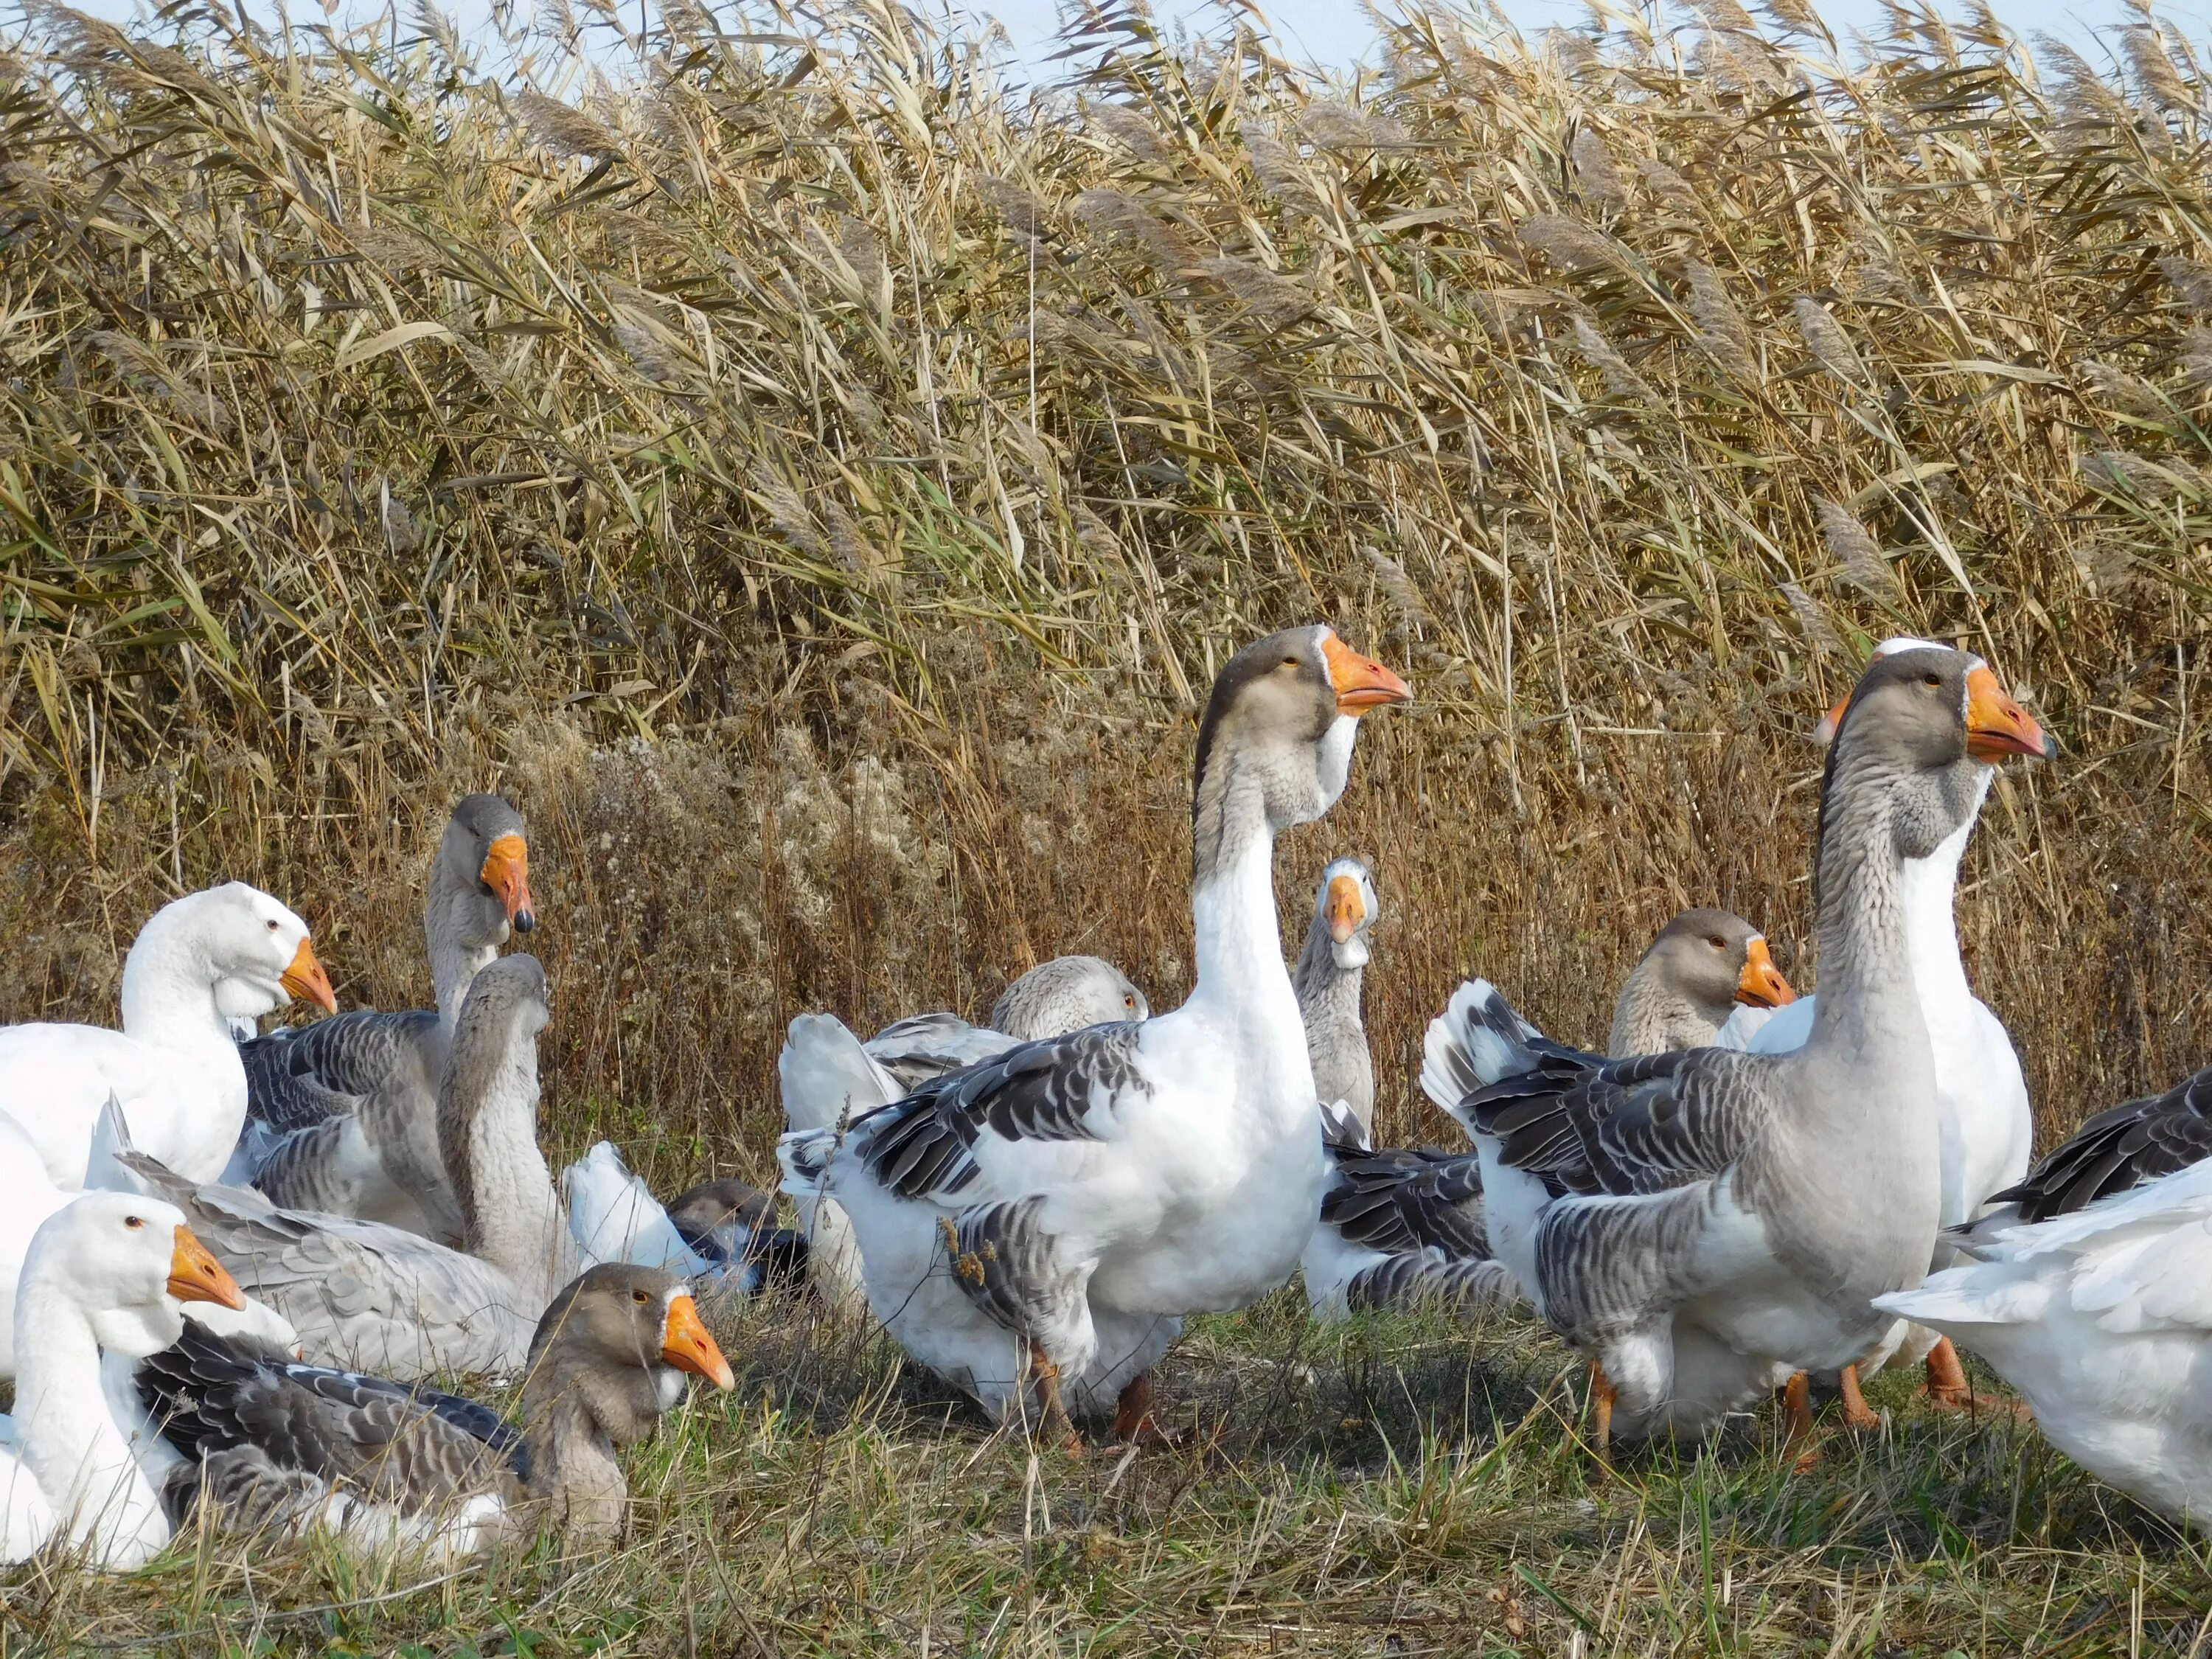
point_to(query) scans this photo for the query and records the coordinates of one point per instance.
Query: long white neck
(81, 1459)
(514, 1215)
(1237, 938)
(1930, 887)
(168, 988)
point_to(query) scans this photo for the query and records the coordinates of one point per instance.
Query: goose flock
(246, 1280)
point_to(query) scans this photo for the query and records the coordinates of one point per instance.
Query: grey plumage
(1066, 994)
(1329, 979)
(1683, 987)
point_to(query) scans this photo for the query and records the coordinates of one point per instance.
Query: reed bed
(817, 476)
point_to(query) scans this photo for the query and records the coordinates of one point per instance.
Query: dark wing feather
(1642, 1124)
(2121, 1147)
(923, 1145)
(302, 1075)
(1398, 1200)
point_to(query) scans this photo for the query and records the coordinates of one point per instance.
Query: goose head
(255, 955)
(1281, 719)
(481, 879)
(1066, 994)
(616, 1343)
(1932, 719)
(131, 1263)
(1345, 906)
(1711, 958)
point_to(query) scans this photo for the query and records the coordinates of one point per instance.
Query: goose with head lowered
(365, 1295)
(1043, 1221)
(828, 1077)
(1984, 1120)
(231, 952)
(108, 1273)
(269, 1444)
(345, 1111)
(1702, 1223)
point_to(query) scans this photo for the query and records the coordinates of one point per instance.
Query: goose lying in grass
(1044, 1221)
(1986, 1127)
(829, 1077)
(229, 952)
(109, 1271)
(1703, 1223)
(345, 1110)
(272, 1445)
(362, 1294)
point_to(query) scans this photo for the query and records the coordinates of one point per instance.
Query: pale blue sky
(1336, 34)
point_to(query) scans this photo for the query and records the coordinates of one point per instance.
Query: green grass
(1400, 1485)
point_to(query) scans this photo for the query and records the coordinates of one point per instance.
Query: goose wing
(1630, 1127)
(2119, 1149)
(927, 1046)
(299, 1076)
(1403, 1200)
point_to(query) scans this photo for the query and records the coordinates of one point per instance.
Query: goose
(2100, 1315)
(1398, 1228)
(1703, 965)
(1703, 1223)
(2120, 1148)
(732, 1223)
(1986, 1126)
(829, 1076)
(269, 1444)
(200, 961)
(345, 1110)
(1329, 978)
(366, 1296)
(1050, 1216)
(108, 1271)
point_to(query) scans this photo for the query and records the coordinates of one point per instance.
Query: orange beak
(507, 872)
(305, 979)
(1343, 910)
(1996, 726)
(1762, 985)
(195, 1276)
(1825, 733)
(686, 1344)
(1361, 683)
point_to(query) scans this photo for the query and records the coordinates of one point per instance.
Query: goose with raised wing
(366, 1296)
(1986, 1126)
(231, 952)
(345, 1111)
(1036, 1227)
(108, 1273)
(271, 1444)
(1703, 1223)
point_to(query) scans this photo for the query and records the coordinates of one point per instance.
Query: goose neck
(168, 989)
(1649, 1019)
(455, 959)
(511, 1214)
(1869, 1002)
(1328, 994)
(1930, 889)
(80, 1457)
(1237, 937)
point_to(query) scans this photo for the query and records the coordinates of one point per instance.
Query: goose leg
(1857, 1411)
(1056, 1423)
(1946, 1389)
(1602, 1399)
(1134, 1423)
(1797, 1410)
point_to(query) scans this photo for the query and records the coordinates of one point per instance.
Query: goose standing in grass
(367, 1296)
(200, 962)
(1329, 978)
(269, 1444)
(1704, 965)
(828, 1077)
(1047, 1218)
(109, 1271)
(1703, 1223)
(1986, 1126)
(345, 1110)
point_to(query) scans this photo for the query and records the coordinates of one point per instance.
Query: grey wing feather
(1638, 1125)
(926, 1045)
(302, 1075)
(1430, 1277)
(1398, 1200)
(1006, 1263)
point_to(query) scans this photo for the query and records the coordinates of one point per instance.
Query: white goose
(1983, 1117)
(828, 1077)
(27, 1196)
(344, 1112)
(1702, 1222)
(202, 960)
(109, 1272)
(1049, 1216)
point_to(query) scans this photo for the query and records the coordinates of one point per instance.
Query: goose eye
(1290, 662)
(1128, 1002)
(272, 926)
(640, 1297)
(1931, 679)
(134, 1221)
(1715, 940)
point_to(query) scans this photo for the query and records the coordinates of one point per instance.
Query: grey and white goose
(366, 1295)
(1704, 965)
(1037, 1226)
(271, 1444)
(1329, 978)
(344, 1113)
(1703, 1224)
(828, 1077)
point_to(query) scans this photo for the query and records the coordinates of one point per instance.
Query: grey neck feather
(457, 955)
(1652, 1018)
(1336, 1032)
(577, 1417)
(1869, 1005)
(488, 1135)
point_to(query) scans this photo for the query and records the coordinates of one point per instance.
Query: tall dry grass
(818, 479)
